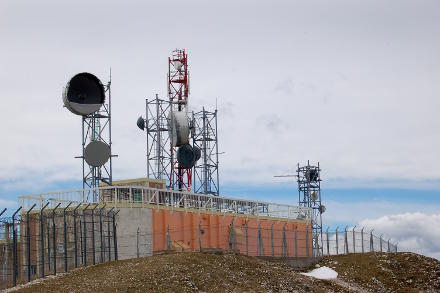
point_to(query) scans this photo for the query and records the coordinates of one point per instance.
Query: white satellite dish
(178, 128)
(314, 195)
(178, 65)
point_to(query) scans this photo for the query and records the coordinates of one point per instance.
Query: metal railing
(138, 196)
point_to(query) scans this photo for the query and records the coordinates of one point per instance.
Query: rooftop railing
(139, 196)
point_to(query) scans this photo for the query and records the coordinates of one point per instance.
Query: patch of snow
(322, 273)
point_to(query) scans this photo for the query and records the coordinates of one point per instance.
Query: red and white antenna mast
(178, 92)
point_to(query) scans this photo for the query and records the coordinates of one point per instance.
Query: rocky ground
(388, 272)
(208, 272)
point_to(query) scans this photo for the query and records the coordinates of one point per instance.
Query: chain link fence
(35, 244)
(352, 241)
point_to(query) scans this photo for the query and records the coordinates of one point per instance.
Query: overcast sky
(352, 84)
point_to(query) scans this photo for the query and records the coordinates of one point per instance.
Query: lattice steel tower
(158, 141)
(204, 134)
(309, 192)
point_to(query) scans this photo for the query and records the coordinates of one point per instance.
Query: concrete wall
(134, 232)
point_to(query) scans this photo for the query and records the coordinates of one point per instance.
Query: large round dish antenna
(97, 153)
(84, 94)
(185, 156)
(178, 128)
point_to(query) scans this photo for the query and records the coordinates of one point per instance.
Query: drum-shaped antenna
(84, 94)
(312, 175)
(96, 153)
(185, 156)
(322, 209)
(178, 128)
(141, 123)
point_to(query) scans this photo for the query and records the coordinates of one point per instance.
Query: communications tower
(178, 92)
(309, 195)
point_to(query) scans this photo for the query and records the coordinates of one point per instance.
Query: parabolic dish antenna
(178, 128)
(185, 156)
(84, 94)
(314, 195)
(140, 123)
(97, 153)
(178, 65)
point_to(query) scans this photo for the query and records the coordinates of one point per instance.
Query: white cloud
(416, 232)
(354, 88)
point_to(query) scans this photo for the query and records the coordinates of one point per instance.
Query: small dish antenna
(97, 153)
(140, 123)
(178, 65)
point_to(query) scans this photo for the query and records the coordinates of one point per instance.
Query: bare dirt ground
(207, 272)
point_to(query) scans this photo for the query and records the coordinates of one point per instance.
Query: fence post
(381, 242)
(371, 241)
(42, 238)
(247, 238)
(345, 241)
(328, 242)
(259, 240)
(389, 245)
(54, 240)
(93, 235)
(285, 251)
(271, 238)
(108, 233)
(115, 241)
(337, 241)
(200, 238)
(137, 242)
(85, 235)
(65, 236)
(354, 240)
(100, 232)
(362, 239)
(307, 240)
(48, 242)
(75, 240)
(296, 241)
(28, 238)
(232, 235)
(14, 250)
